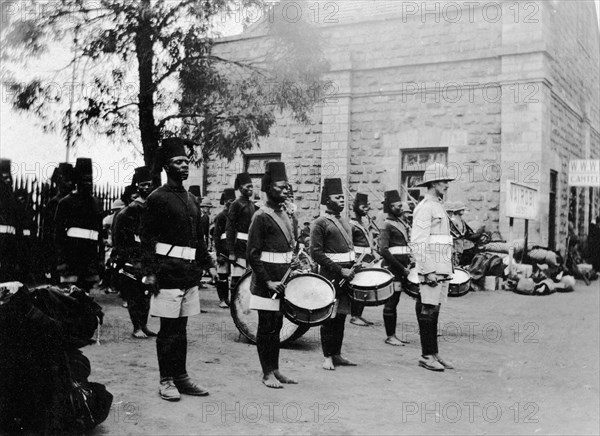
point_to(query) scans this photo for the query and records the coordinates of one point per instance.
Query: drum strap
(342, 231)
(397, 225)
(285, 226)
(363, 230)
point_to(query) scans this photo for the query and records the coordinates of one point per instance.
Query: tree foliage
(147, 69)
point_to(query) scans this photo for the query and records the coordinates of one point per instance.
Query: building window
(412, 169)
(255, 164)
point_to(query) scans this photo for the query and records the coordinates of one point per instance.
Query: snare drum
(246, 319)
(308, 299)
(372, 286)
(460, 284)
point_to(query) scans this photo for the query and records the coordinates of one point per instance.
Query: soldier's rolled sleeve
(317, 237)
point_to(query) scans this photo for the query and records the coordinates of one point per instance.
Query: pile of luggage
(44, 386)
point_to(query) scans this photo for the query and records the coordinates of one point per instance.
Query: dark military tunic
(395, 236)
(83, 256)
(270, 232)
(126, 240)
(238, 222)
(10, 229)
(327, 238)
(173, 217)
(220, 234)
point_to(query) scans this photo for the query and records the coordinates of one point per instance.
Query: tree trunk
(145, 55)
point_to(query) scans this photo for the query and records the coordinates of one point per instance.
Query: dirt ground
(524, 365)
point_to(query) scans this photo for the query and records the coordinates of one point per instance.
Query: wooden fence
(39, 193)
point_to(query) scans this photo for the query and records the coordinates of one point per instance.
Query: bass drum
(246, 319)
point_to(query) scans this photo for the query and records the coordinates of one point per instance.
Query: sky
(36, 152)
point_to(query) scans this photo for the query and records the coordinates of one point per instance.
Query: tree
(165, 50)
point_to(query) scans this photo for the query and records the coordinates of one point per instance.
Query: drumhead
(309, 291)
(460, 276)
(372, 278)
(413, 276)
(246, 319)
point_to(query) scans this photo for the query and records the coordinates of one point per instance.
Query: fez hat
(274, 172)
(83, 167)
(435, 173)
(195, 189)
(141, 174)
(390, 197)
(331, 187)
(241, 179)
(228, 194)
(361, 199)
(172, 147)
(5, 166)
(64, 170)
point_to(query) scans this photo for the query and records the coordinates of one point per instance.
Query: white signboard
(521, 201)
(584, 172)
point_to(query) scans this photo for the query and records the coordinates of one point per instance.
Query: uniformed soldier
(10, 226)
(78, 234)
(363, 242)
(270, 250)
(62, 177)
(432, 247)
(238, 222)
(205, 207)
(465, 236)
(128, 254)
(174, 256)
(332, 248)
(394, 248)
(220, 236)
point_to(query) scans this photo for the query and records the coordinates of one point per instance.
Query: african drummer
(269, 253)
(332, 248)
(432, 248)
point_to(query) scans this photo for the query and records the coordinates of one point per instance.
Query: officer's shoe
(429, 362)
(445, 363)
(168, 391)
(188, 387)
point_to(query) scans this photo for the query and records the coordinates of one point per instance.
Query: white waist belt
(341, 257)
(440, 239)
(223, 236)
(270, 257)
(242, 236)
(8, 229)
(399, 250)
(26, 232)
(76, 232)
(186, 253)
(363, 250)
(137, 238)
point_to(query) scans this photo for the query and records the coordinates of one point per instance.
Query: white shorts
(175, 303)
(237, 271)
(434, 295)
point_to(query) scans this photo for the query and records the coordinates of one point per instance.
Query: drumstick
(356, 264)
(231, 261)
(283, 280)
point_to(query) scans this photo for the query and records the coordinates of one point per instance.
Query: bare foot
(328, 364)
(148, 332)
(393, 340)
(270, 381)
(340, 361)
(283, 379)
(358, 321)
(139, 334)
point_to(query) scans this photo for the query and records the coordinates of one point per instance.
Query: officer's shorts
(175, 303)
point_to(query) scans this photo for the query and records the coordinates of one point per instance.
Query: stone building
(495, 90)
